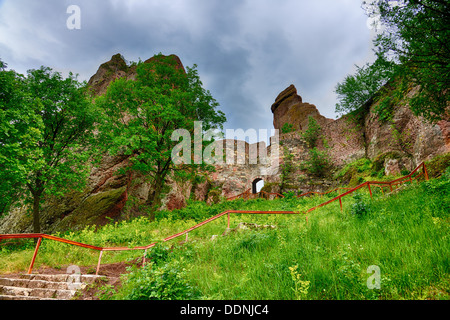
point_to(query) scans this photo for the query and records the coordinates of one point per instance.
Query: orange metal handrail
(41, 236)
(409, 178)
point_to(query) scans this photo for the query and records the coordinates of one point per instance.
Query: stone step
(25, 283)
(7, 297)
(84, 278)
(43, 286)
(37, 292)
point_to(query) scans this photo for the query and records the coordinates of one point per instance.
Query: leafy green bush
(289, 194)
(438, 165)
(287, 128)
(164, 282)
(318, 163)
(360, 206)
(312, 133)
(158, 254)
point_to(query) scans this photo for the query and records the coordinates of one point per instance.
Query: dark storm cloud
(246, 51)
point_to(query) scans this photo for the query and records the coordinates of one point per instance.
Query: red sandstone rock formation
(289, 108)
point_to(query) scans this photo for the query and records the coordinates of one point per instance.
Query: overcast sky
(247, 51)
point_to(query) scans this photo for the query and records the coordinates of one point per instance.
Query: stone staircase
(43, 286)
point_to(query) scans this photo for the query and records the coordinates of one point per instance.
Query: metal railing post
(38, 244)
(143, 259)
(99, 261)
(370, 190)
(425, 171)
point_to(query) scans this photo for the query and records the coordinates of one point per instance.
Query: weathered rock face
(349, 139)
(406, 134)
(346, 139)
(289, 108)
(117, 68)
(108, 72)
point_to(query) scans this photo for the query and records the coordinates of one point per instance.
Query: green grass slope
(332, 254)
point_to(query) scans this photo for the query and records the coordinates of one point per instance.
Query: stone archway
(256, 185)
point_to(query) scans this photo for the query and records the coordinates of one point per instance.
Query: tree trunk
(36, 212)
(154, 195)
(36, 190)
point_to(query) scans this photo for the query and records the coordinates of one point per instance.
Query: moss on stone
(271, 187)
(354, 173)
(92, 210)
(438, 165)
(378, 161)
(214, 195)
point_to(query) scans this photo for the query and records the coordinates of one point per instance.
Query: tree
(141, 114)
(45, 126)
(412, 50)
(358, 89)
(416, 34)
(16, 135)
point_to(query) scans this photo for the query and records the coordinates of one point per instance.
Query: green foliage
(318, 163)
(358, 171)
(415, 34)
(158, 282)
(158, 254)
(313, 133)
(162, 99)
(46, 122)
(360, 206)
(289, 194)
(411, 51)
(438, 165)
(2, 65)
(358, 89)
(287, 128)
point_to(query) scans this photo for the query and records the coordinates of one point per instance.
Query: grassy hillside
(327, 256)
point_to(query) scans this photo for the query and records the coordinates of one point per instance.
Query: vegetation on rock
(412, 50)
(141, 115)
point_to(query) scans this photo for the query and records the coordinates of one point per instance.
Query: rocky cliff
(289, 108)
(408, 139)
(401, 143)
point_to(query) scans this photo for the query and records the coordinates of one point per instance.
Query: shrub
(318, 163)
(360, 206)
(289, 194)
(312, 134)
(438, 165)
(287, 128)
(164, 282)
(158, 253)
